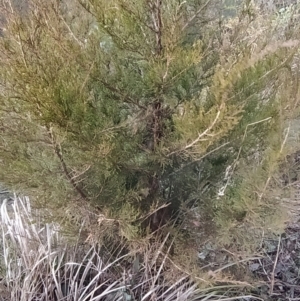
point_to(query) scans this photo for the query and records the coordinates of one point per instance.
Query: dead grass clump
(38, 264)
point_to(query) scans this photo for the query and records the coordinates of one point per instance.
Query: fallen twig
(274, 267)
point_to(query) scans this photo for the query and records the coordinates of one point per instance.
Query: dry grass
(40, 265)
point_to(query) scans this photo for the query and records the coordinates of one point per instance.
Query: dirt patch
(279, 269)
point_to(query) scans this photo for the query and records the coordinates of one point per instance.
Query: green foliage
(131, 105)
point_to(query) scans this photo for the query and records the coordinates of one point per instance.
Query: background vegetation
(142, 121)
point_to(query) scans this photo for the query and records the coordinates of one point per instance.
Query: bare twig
(125, 98)
(235, 263)
(239, 152)
(71, 32)
(200, 136)
(169, 60)
(87, 77)
(205, 133)
(274, 267)
(156, 15)
(200, 159)
(281, 150)
(20, 42)
(143, 218)
(195, 15)
(81, 173)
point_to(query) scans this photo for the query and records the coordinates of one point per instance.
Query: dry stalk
(274, 267)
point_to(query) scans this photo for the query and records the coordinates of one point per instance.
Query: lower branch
(71, 179)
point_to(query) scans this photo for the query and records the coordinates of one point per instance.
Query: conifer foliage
(131, 106)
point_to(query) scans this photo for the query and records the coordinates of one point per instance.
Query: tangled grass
(39, 264)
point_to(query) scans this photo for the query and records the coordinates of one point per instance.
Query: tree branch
(200, 136)
(57, 151)
(126, 98)
(156, 16)
(195, 15)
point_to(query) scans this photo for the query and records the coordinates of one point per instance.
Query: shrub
(113, 110)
